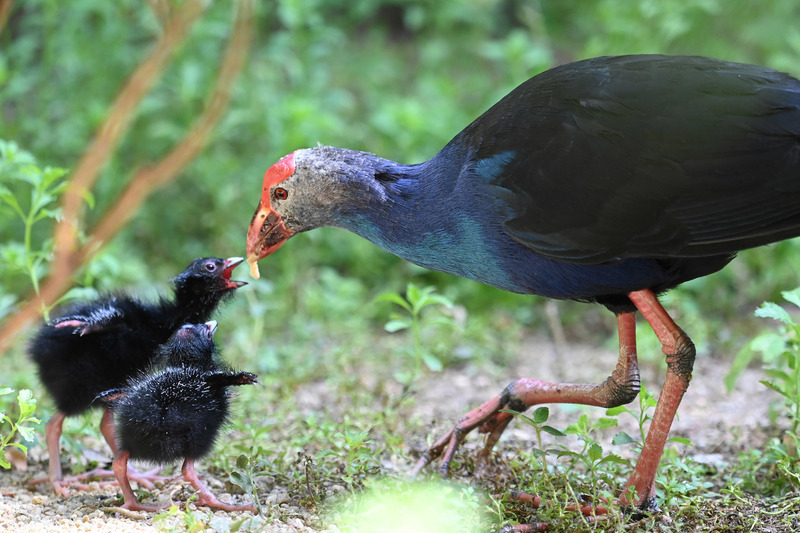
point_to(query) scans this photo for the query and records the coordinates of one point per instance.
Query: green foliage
(355, 451)
(176, 520)
(28, 195)
(780, 353)
(20, 424)
(415, 302)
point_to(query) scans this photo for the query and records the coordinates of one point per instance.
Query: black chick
(176, 412)
(98, 345)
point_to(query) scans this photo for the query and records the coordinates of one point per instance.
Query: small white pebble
(296, 523)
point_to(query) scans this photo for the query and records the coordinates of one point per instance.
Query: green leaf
(540, 415)
(605, 423)
(770, 345)
(777, 388)
(241, 480)
(22, 447)
(792, 296)
(220, 524)
(394, 298)
(622, 438)
(27, 433)
(680, 440)
(3, 463)
(242, 462)
(432, 362)
(616, 411)
(743, 358)
(595, 452)
(397, 324)
(27, 405)
(614, 458)
(553, 431)
(774, 311)
(412, 294)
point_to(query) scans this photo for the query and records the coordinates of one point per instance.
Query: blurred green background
(398, 78)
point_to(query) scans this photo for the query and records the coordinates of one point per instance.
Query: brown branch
(148, 179)
(88, 169)
(68, 255)
(5, 11)
(162, 10)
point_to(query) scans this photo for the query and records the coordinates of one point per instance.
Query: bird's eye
(281, 193)
(211, 267)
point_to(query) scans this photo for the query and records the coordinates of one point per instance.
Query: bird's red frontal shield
(267, 232)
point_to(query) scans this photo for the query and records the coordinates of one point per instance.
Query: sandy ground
(717, 423)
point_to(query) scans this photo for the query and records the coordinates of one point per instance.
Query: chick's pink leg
(204, 496)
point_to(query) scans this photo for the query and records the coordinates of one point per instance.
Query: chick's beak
(267, 233)
(228, 266)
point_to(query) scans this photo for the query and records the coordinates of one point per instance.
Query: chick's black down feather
(97, 345)
(175, 413)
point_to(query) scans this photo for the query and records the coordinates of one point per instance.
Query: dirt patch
(719, 425)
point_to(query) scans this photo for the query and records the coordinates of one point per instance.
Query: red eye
(281, 193)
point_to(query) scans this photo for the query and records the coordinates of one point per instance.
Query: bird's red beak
(228, 266)
(267, 232)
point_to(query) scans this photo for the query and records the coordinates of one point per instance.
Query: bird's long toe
(209, 500)
(148, 479)
(488, 415)
(591, 512)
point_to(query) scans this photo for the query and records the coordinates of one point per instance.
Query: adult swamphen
(175, 412)
(98, 345)
(609, 180)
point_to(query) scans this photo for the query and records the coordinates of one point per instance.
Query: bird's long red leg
(120, 467)
(621, 387)
(55, 476)
(144, 479)
(204, 496)
(680, 354)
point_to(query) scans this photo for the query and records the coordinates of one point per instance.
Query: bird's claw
(480, 417)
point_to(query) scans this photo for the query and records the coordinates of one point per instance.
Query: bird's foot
(148, 479)
(134, 505)
(59, 487)
(206, 499)
(204, 496)
(81, 481)
(62, 486)
(488, 418)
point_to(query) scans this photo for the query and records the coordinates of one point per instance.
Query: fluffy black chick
(175, 412)
(98, 345)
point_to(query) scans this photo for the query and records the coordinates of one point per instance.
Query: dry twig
(70, 254)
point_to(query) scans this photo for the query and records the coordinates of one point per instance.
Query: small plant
(780, 351)
(177, 520)
(20, 177)
(411, 318)
(537, 421)
(354, 450)
(247, 469)
(21, 425)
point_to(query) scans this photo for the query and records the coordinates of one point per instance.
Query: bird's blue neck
(436, 215)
